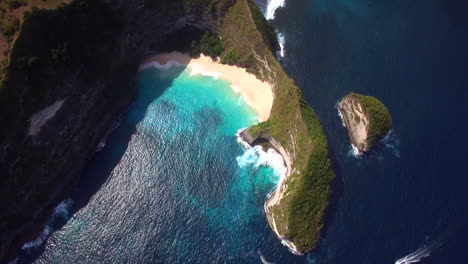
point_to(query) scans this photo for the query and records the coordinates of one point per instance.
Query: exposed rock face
(46, 141)
(267, 141)
(356, 121)
(366, 118)
(47, 135)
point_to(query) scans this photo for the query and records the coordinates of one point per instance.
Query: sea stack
(366, 118)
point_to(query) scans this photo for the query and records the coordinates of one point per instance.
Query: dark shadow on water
(100, 167)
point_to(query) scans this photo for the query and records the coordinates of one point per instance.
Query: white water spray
(281, 41)
(271, 8)
(62, 210)
(416, 256)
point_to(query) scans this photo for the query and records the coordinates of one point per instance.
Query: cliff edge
(71, 75)
(366, 118)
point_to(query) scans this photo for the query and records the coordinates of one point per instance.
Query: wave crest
(61, 211)
(271, 8)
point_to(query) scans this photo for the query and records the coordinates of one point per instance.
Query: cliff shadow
(98, 169)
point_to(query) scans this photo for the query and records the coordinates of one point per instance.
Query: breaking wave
(256, 157)
(157, 65)
(263, 259)
(271, 8)
(339, 114)
(281, 41)
(61, 212)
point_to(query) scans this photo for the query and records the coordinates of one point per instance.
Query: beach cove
(178, 147)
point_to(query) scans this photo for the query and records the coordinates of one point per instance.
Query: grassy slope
(299, 216)
(380, 119)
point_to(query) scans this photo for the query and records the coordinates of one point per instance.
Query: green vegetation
(266, 30)
(209, 44)
(10, 20)
(380, 121)
(12, 4)
(9, 25)
(81, 43)
(231, 57)
(310, 199)
(300, 214)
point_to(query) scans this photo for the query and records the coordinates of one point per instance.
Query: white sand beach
(256, 93)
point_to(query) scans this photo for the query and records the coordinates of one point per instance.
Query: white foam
(102, 144)
(197, 69)
(241, 142)
(155, 64)
(256, 157)
(271, 8)
(62, 210)
(263, 259)
(355, 151)
(416, 256)
(290, 246)
(339, 114)
(282, 41)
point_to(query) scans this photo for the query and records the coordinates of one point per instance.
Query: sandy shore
(256, 93)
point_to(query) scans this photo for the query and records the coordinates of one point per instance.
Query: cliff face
(72, 74)
(296, 211)
(70, 78)
(366, 119)
(356, 121)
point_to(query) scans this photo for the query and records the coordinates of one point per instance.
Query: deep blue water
(173, 185)
(413, 56)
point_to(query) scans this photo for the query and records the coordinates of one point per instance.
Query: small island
(367, 120)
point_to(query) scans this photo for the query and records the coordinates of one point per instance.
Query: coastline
(256, 93)
(245, 139)
(356, 152)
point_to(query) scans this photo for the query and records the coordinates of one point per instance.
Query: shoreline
(356, 152)
(245, 140)
(256, 93)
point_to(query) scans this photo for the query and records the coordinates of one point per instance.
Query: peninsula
(367, 120)
(70, 74)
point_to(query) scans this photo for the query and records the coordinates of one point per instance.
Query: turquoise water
(173, 185)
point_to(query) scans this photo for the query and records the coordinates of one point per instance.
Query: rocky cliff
(366, 119)
(71, 75)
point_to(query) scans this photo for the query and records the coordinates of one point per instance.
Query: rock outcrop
(366, 119)
(63, 92)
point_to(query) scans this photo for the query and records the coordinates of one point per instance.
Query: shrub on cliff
(380, 121)
(209, 44)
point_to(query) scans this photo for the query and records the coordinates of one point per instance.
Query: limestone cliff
(366, 119)
(71, 75)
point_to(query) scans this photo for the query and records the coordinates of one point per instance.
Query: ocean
(406, 201)
(173, 184)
